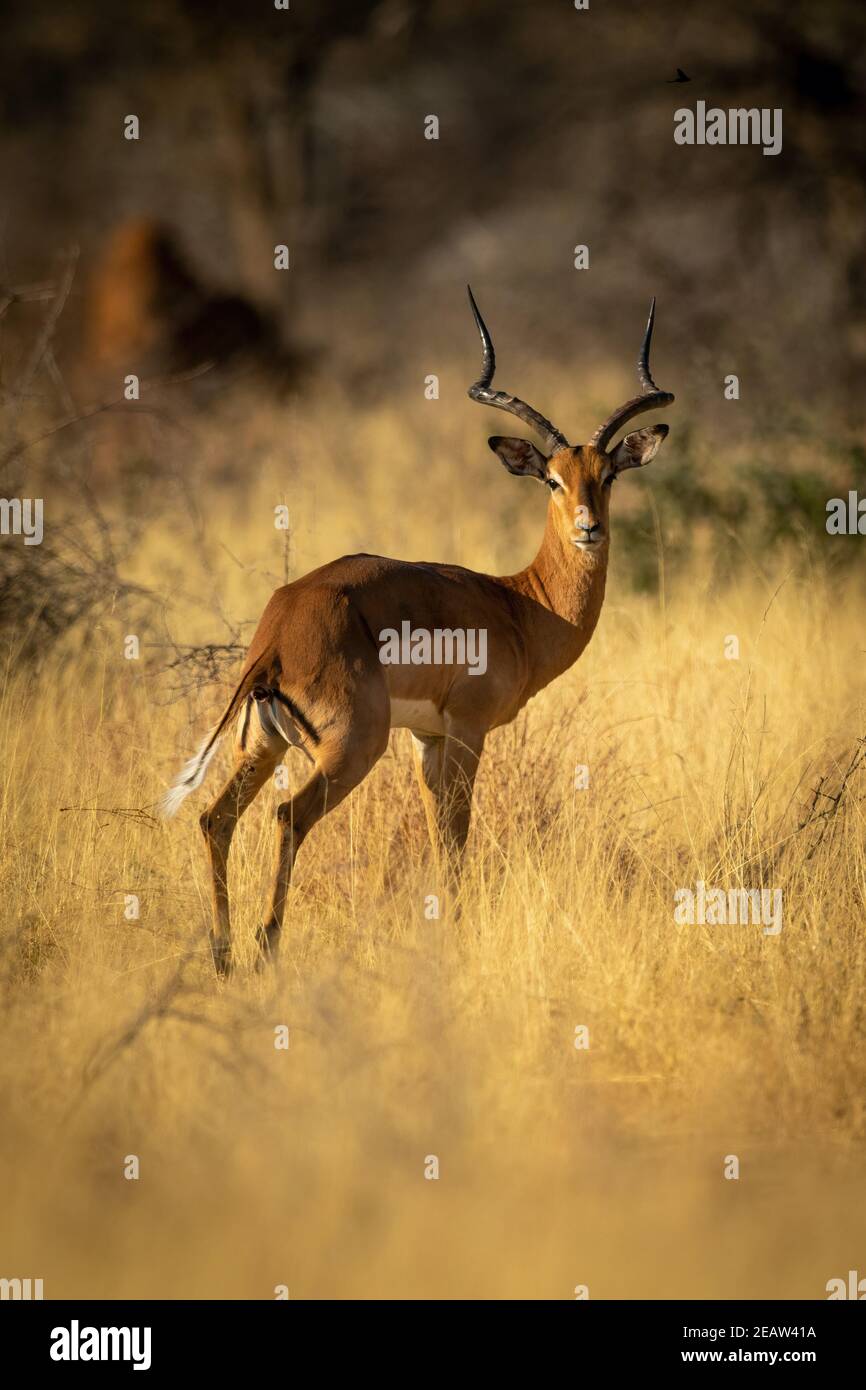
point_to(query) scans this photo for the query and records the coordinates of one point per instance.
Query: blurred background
(306, 127)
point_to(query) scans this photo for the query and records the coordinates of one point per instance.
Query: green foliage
(763, 506)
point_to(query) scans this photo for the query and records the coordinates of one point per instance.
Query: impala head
(579, 478)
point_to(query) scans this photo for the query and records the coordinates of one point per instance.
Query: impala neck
(567, 581)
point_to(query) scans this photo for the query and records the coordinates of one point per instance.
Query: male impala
(317, 675)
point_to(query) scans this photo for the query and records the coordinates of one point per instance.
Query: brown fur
(314, 663)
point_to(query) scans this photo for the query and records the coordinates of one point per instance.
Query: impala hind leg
(252, 770)
(446, 766)
(340, 768)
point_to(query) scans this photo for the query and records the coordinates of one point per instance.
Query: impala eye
(554, 485)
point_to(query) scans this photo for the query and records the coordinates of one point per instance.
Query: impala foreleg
(446, 766)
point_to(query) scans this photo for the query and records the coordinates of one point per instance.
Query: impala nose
(589, 532)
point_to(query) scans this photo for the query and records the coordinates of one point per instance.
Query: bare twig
(43, 342)
(158, 1008)
(135, 813)
(26, 294)
(103, 407)
(822, 816)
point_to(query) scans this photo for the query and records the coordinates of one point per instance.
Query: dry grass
(412, 1037)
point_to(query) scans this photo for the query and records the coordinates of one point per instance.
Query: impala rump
(278, 716)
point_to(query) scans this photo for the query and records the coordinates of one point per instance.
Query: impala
(316, 677)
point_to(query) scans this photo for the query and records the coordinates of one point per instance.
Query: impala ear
(638, 448)
(519, 456)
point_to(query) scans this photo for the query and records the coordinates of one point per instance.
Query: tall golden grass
(412, 1037)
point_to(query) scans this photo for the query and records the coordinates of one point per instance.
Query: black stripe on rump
(261, 692)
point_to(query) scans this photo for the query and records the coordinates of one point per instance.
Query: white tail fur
(275, 723)
(191, 775)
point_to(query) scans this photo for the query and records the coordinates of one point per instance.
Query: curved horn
(482, 393)
(650, 399)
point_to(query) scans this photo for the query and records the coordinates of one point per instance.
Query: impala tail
(279, 718)
(193, 773)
